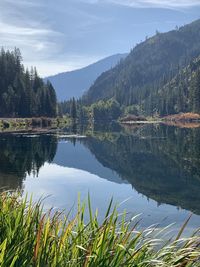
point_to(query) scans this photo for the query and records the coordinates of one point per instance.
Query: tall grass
(28, 237)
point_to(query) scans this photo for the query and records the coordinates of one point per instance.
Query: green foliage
(105, 110)
(155, 75)
(99, 111)
(84, 113)
(181, 94)
(134, 110)
(64, 108)
(23, 93)
(195, 91)
(73, 109)
(30, 237)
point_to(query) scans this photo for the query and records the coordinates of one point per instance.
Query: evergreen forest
(22, 92)
(160, 76)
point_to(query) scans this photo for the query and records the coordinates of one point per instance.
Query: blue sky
(61, 35)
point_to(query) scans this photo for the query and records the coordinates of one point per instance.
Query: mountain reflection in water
(160, 162)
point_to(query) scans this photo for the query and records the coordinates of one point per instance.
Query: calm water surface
(155, 168)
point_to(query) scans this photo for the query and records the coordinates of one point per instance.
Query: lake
(152, 170)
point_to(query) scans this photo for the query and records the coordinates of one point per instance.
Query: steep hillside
(181, 94)
(74, 83)
(150, 65)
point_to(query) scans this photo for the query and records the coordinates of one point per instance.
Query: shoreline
(46, 124)
(187, 120)
(37, 124)
(179, 124)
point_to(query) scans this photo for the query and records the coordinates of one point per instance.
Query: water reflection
(160, 162)
(21, 155)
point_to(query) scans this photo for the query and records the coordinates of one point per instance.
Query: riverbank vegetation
(30, 237)
(19, 124)
(110, 110)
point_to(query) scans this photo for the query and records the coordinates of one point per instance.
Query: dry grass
(187, 117)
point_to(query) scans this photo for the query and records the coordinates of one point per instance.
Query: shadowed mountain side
(159, 76)
(160, 168)
(75, 83)
(79, 157)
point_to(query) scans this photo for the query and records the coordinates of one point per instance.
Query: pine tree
(23, 93)
(73, 111)
(196, 93)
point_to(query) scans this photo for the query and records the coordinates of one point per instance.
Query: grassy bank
(28, 237)
(15, 124)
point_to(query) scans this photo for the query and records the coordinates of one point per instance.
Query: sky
(63, 35)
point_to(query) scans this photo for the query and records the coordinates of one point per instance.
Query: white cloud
(149, 3)
(22, 2)
(64, 35)
(22, 26)
(10, 29)
(160, 3)
(25, 24)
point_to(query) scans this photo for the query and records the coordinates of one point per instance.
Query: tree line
(22, 92)
(178, 94)
(103, 110)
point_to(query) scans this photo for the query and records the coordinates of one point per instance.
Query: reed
(30, 237)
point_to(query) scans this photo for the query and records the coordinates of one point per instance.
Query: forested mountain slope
(75, 83)
(148, 70)
(181, 94)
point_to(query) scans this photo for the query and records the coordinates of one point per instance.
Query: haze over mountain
(75, 83)
(64, 35)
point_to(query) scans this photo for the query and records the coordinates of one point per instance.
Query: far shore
(37, 124)
(184, 120)
(46, 124)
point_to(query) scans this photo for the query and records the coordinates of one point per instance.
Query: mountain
(143, 75)
(180, 94)
(74, 83)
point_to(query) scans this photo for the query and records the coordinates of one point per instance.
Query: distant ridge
(75, 83)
